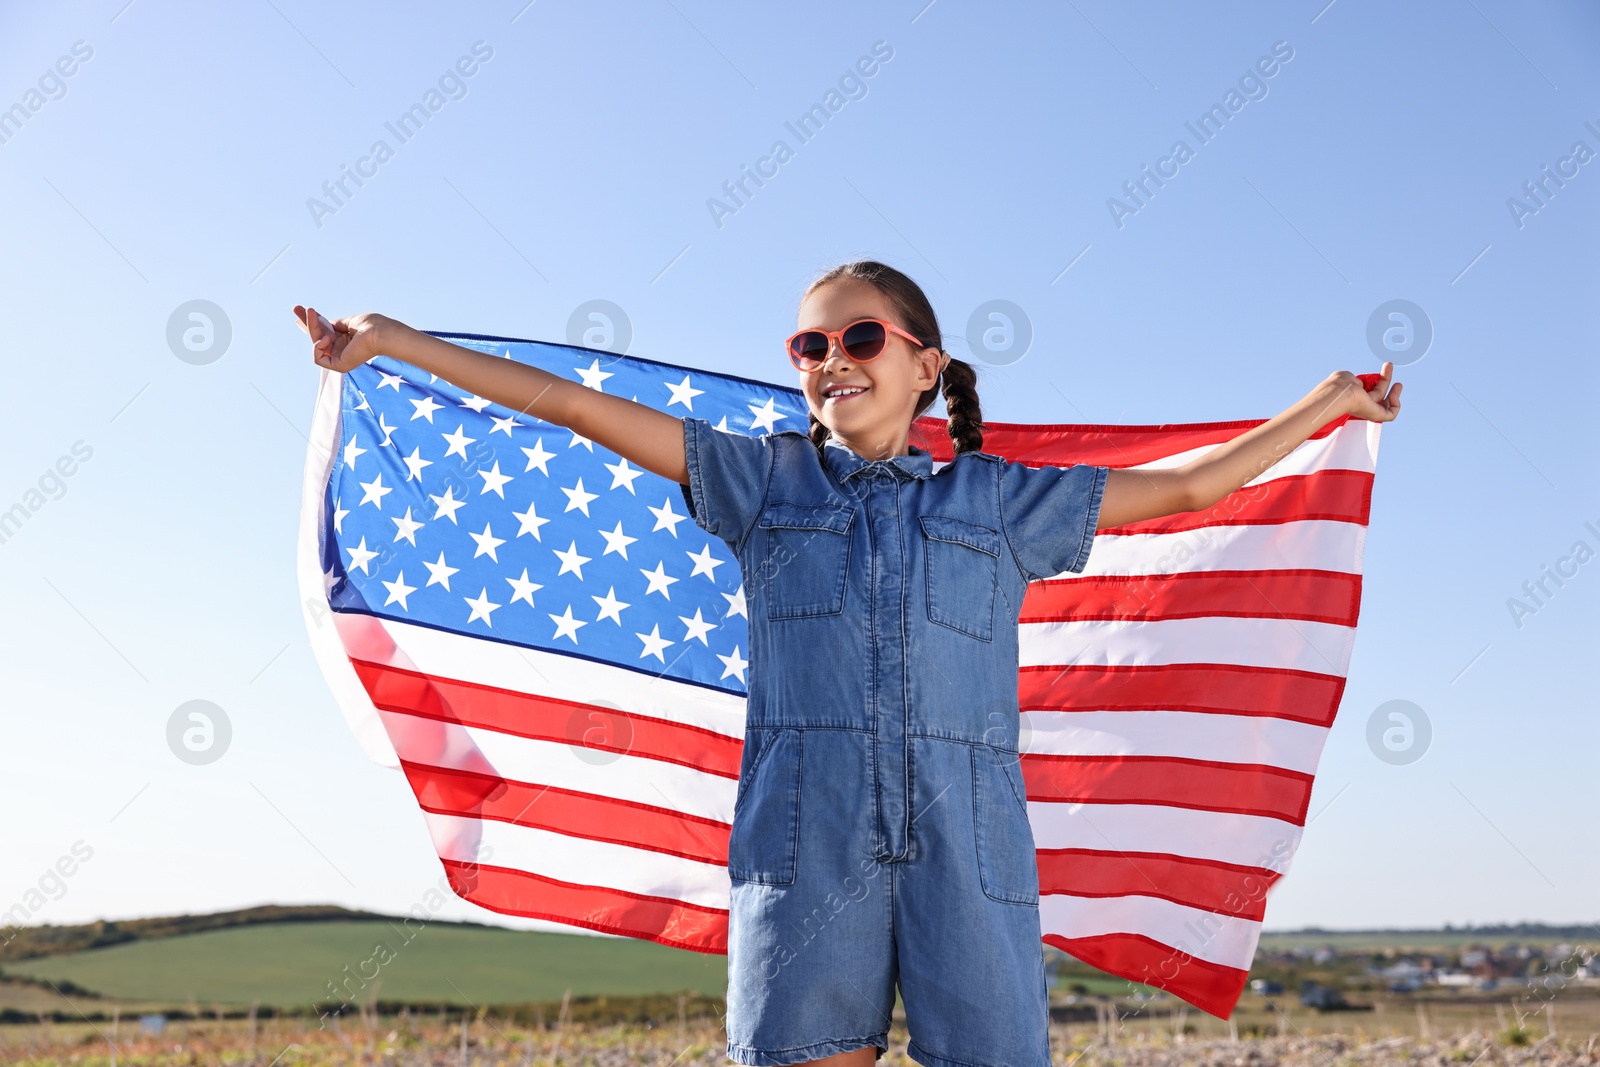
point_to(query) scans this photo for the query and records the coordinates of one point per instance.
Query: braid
(961, 402)
(819, 432)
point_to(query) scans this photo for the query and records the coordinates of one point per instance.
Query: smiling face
(874, 422)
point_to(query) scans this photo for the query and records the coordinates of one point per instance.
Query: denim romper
(880, 832)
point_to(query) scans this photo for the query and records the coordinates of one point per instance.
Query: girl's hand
(1381, 403)
(344, 344)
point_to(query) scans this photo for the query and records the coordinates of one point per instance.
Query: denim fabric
(880, 832)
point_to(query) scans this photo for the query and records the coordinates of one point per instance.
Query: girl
(880, 834)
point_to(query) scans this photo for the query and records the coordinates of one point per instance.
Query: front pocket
(961, 567)
(1008, 863)
(765, 838)
(807, 561)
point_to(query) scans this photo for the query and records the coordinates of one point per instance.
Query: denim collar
(844, 461)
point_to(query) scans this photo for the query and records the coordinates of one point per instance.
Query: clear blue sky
(175, 163)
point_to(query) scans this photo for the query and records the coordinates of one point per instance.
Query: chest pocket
(808, 558)
(961, 566)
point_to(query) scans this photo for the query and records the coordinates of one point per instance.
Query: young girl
(880, 833)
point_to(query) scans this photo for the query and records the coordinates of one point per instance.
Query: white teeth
(847, 391)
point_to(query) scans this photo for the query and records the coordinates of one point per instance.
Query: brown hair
(959, 380)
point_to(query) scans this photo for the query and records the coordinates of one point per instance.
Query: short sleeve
(728, 476)
(1049, 515)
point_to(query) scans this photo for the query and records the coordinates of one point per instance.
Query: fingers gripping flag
(536, 633)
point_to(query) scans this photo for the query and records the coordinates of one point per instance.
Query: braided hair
(958, 381)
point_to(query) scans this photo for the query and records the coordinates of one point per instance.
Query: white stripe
(1295, 746)
(1251, 840)
(1317, 544)
(553, 763)
(1222, 939)
(444, 654)
(579, 860)
(1320, 647)
(1348, 448)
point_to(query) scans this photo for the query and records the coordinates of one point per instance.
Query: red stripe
(1173, 781)
(1336, 495)
(612, 911)
(1310, 595)
(570, 722)
(1211, 987)
(1278, 692)
(1211, 885)
(570, 812)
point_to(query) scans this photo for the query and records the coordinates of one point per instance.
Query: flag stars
(448, 504)
(683, 393)
(425, 408)
(592, 375)
(398, 591)
(458, 442)
(538, 457)
(481, 608)
(493, 481)
(571, 561)
(659, 580)
(390, 381)
(579, 498)
(654, 643)
(566, 625)
(375, 491)
(388, 431)
(610, 606)
(530, 523)
(698, 628)
(407, 528)
(360, 556)
(351, 451)
(475, 402)
(579, 439)
(705, 563)
(623, 475)
(414, 464)
(487, 543)
(736, 603)
(338, 516)
(505, 425)
(666, 518)
(733, 664)
(439, 573)
(766, 416)
(617, 541)
(522, 589)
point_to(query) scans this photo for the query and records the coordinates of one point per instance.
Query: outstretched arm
(1134, 495)
(649, 438)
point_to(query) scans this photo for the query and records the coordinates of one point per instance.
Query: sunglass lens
(864, 340)
(810, 348)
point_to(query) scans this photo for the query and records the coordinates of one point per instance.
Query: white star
(617, 541)
(610, 606)
(571, 561)
(475, 402)
(448, 504)
(705, 563)
(659, 580)
(577, 498)
(622, 474)
(351, 451)
(481, 607)
(666, 518)
(683, 393)
(487, 543)
(566, 625)
(360, 556)
(375, 492)
(388, 431)
(363, 406)
(506, 424)
(698, 628)
(592, 375)
(734, 664)
(530, 522)
(579, 439)
(722, 424)
(407, 528)
(522, 589)
(389, 380)
(765, 416)
(414, 464)
(425, 408)
(736, 603)
(458, 442)
(338, 516)
(538, 457)
(493, 480)
(654, 643)
(439, 573)
(399, 590)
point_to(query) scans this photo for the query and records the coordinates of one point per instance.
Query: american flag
(539, 636)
